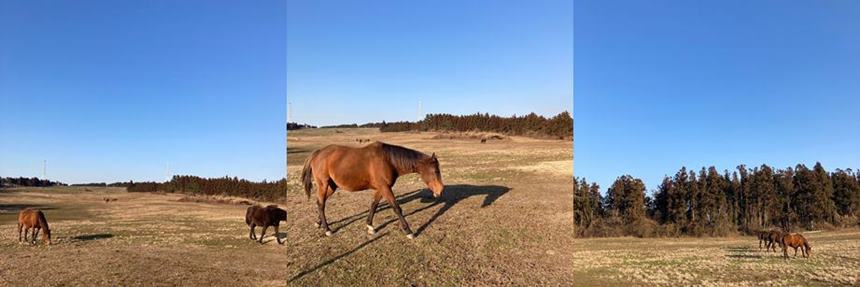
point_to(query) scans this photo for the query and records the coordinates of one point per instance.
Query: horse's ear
(433, 156)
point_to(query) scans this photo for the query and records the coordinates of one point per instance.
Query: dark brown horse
(35, 219)
(795, 240)
(774, 238)
(264, 216)
(375, 166)
(763, 237)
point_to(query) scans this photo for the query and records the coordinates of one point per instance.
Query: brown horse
(795, 240)
(35, 219)
(375, 166)
(774, 238)
(763, 237)
(264, 216)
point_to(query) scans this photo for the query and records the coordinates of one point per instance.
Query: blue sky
(369, 61)
(116, 90)
(665, 84)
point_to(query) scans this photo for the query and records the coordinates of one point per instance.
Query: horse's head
(46, 236)
(429, 170)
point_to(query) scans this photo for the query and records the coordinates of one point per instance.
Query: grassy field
(505, 219)
(738, 261)
(139, 239)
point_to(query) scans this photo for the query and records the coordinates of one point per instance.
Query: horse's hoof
(370, 230)
(317, 224)
(328, 233)
(410, 236)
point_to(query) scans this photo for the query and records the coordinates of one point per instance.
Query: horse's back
(351, 168)
(29, 217)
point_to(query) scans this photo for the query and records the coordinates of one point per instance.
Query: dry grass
(139, 239)
(498, 224)
(716, 262)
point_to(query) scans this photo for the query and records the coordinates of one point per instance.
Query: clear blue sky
(369, 61)
(114, 90)
(665, 84)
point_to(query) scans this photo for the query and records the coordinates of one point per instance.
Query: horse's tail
(308, 174)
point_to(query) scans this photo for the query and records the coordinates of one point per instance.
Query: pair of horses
(784, 240)
(374, 166)
(271, 215)
(31, 218)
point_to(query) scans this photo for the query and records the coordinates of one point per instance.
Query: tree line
(28, 181)
(297, 126)
(711, 203)
(533, 125)
(224, 186)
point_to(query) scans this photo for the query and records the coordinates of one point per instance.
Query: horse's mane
(403, 159)
(42, 221)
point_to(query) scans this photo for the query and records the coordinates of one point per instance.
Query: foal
(35, 219)
(264, 216)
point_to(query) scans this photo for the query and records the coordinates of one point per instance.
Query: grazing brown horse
(795, 240)
(264, 216)
(375, 166)
(35, 219)
(774, 238)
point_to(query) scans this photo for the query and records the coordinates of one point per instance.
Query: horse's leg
(26, 231)
(19, 232)
(263, 233)
(252, 234)
(278, 235)
(324, 192)
(389, 196)
(795, 251)
(33, 237)
(373, 204)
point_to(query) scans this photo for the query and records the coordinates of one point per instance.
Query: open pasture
(134, 239)
(505, 217)
(735, 261)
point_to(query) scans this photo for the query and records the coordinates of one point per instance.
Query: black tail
(308, 174)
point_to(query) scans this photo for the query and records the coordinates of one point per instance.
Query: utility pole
(290, 112)
(419, 111)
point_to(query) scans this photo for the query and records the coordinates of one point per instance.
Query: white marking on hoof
(370, 230)
(410, 236)
(328, 233)
(317, 224)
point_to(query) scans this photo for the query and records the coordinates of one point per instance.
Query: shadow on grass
(453, 195)
(15, 208)
(282, 236)
(338, 257)
(88, 237)
(296, 150)
(742, 253)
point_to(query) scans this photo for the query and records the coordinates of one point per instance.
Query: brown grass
(498, 224)
(733, 261)
(134, 241)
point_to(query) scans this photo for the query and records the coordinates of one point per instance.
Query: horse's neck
(43, 223)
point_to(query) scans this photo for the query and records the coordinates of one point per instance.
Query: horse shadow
(88, 237)
(453, 195)
(336, 258)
